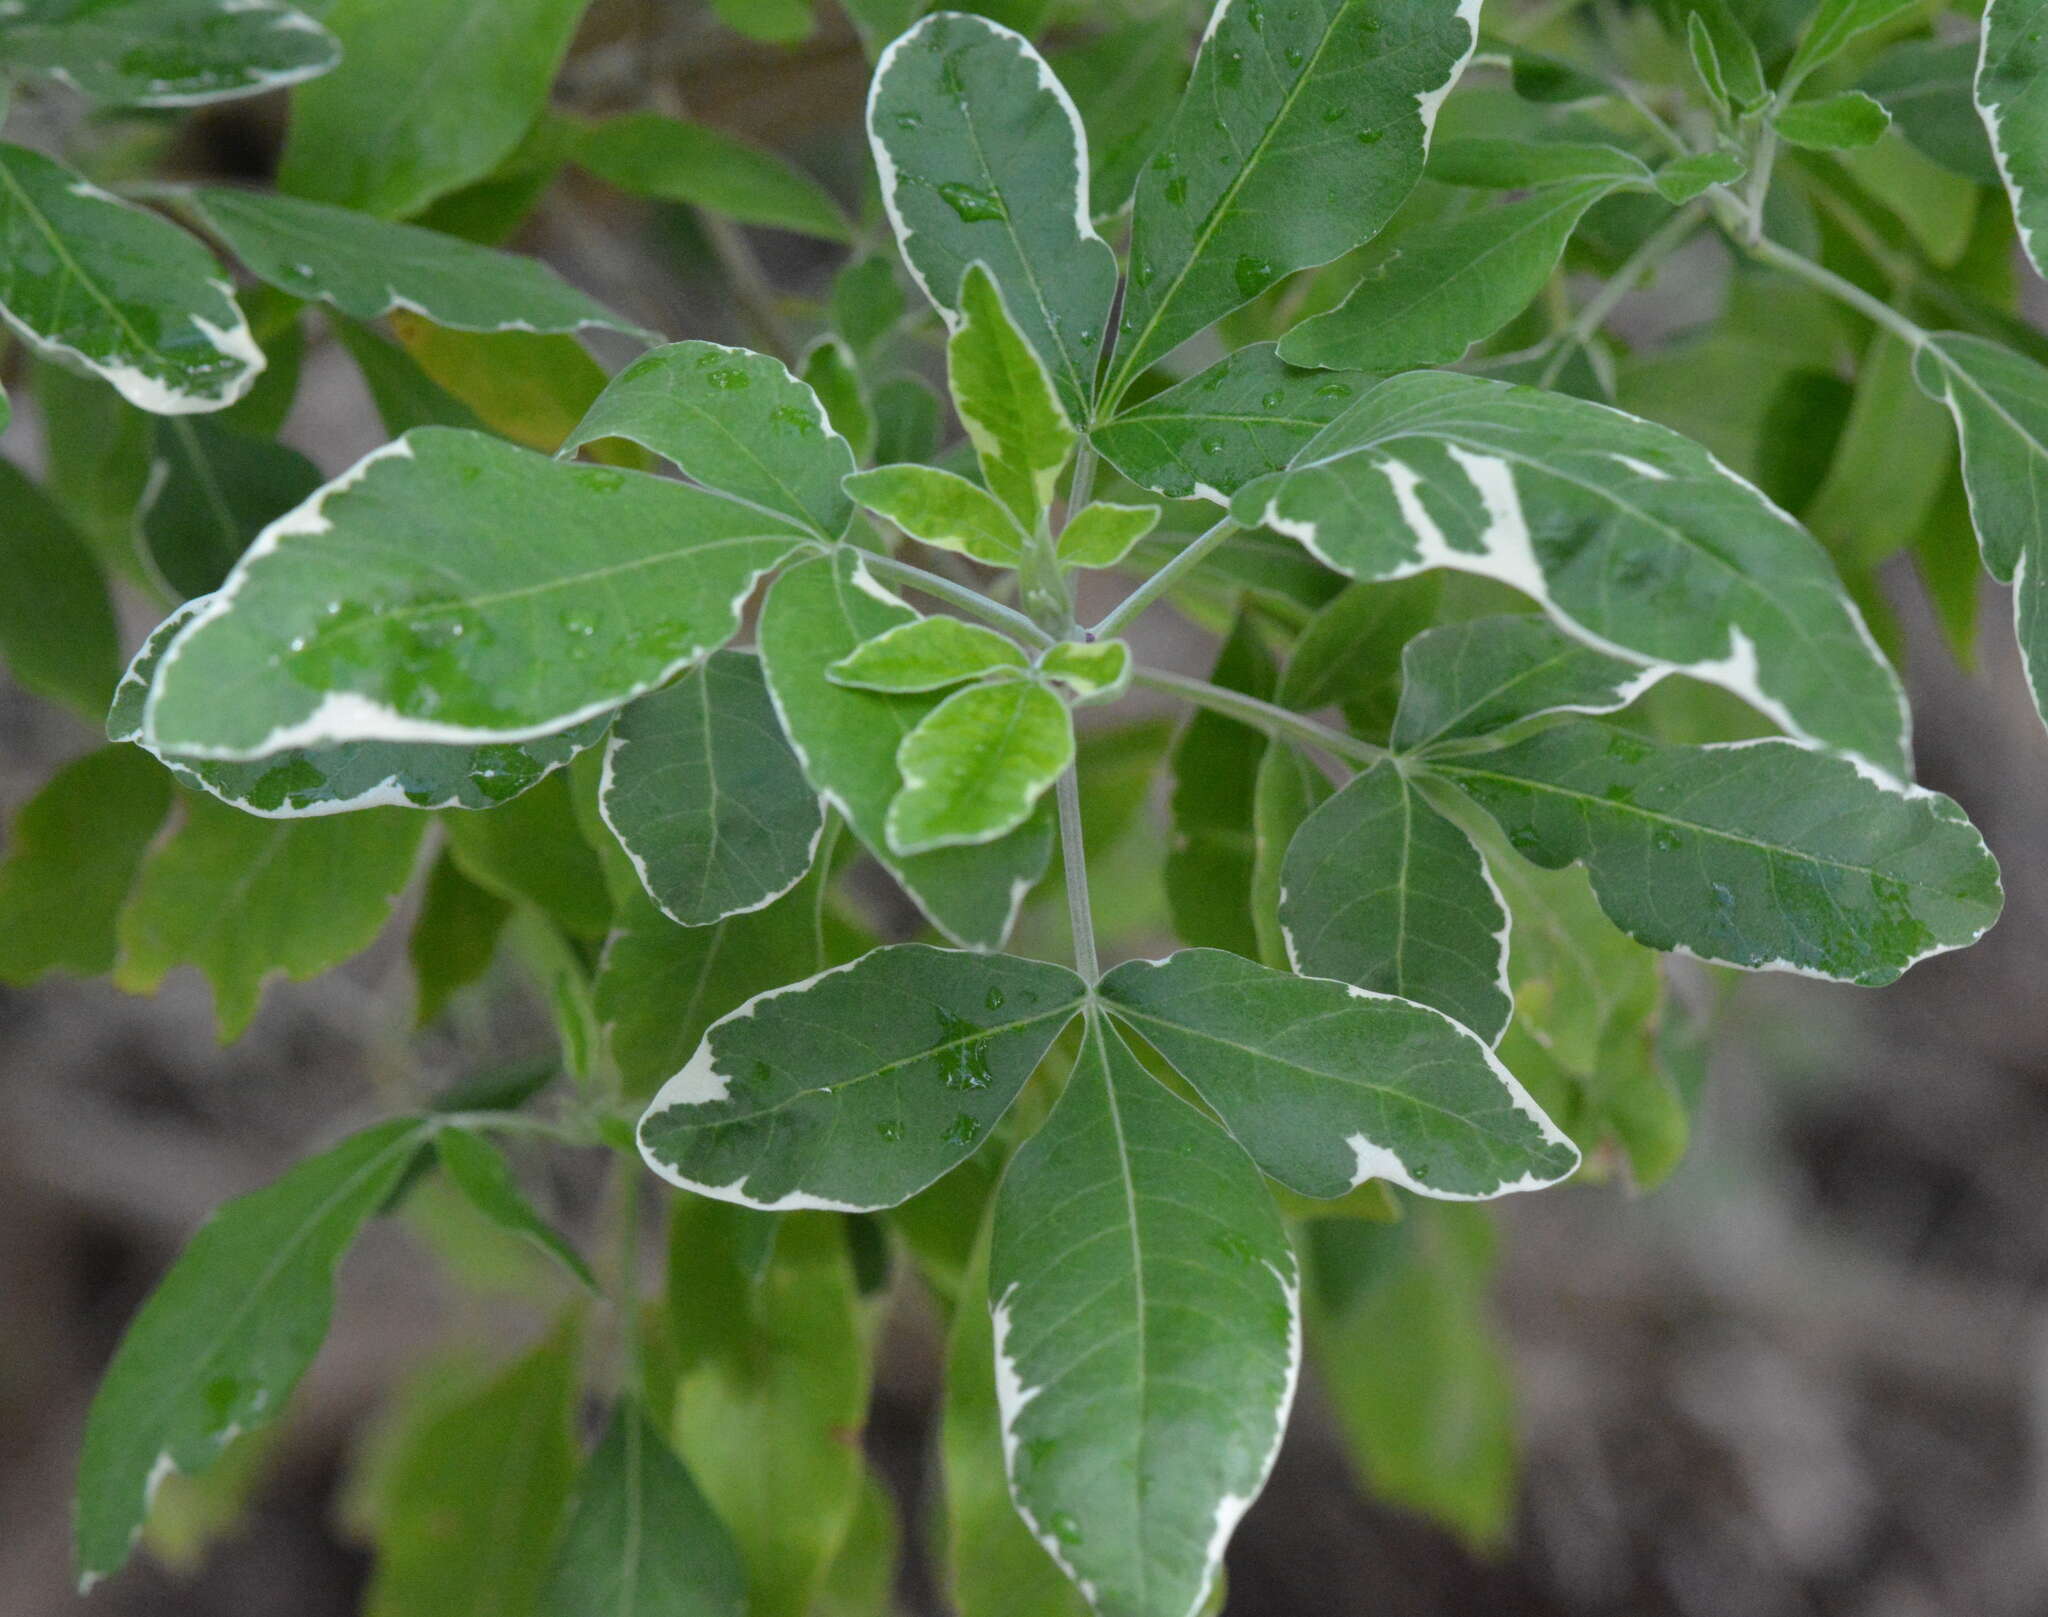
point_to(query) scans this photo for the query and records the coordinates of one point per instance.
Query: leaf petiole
(1260, 715)
(1160, 582)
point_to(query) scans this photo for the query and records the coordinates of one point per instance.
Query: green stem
(1080, 916)
(968, 600)
(1841, 289)
(1275, 721)
(828, 844)
(629, 1281)
(1658, 246)
(520, 1123)
(1160, 582)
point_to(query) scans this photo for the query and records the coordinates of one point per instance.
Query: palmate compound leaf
(303, 782)
(982, 157)
(225, 1337)
(1006, 400)
(1147, 1335)
(847, 740)
(453, 588)
(705, 795)
(1245, 416)
(90, 280)
(642, 1540)
(1762, 854)
(855, 1089)
(366, 267)
(1451, 284)
(1469, 679)
(735, 421)
(1302, 129)
(1630, 536)
(1328, 1085)
(2000, 403)
(1379, 889)
(165, 53)
(977, 765)
(2012, 99)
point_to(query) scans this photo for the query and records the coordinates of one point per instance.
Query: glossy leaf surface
(1145, 1335)
(1327, 1085)
(857, 1088)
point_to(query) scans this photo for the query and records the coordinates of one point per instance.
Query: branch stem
(1656, 247)
(1080, 916)
(971, 601)
(1841, 289)
(1275, 721)
(1160, 582)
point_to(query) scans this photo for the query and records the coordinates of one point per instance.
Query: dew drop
(1273, 400)
(1666, 840)
(1334, 390)
(963, 1130)
(1176, 191)
(1371, 137)
(972, 203)
(1064, 1528)
(1213, 446)
(993, 999)
(909, 120)
(730, 379)
(892, 1130)
(1253, 275)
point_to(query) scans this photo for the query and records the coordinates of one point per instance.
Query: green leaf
(668, 160)
(1496, 164)
(72, 854)
(774, 22)
(977, 764)
(403, 394)
(2000, 403)
(454, 937)
(829, 369)
(480, 1171)
(1328, 1085)
(1245, 416)
(211, 491)
(774, 1365)
(1005, 399)
(906, 413)
(642, 1540)
(1381, 890)
(303, 782)
(1926, 85)
(1626, 533)
(225, 1337)
(1095, 671)
(91, 280)
(1102, 534)
(534, 850)
(736, 422)
(1761, 854)
(1215, 774)
(705, 795)
(227, 893)
(1890, 460)
(855, 1089)
(1834, 25)
(1448, 286)
(454, 588)
(1473, 678)
(1301, 131)
(880, 21)
(1684, 178)
(942, 509)
(982, 157)
(428, 98)
(867, 303)
(1349, 653)
(927, 654)
(1725, 55)
(478, 1493)
(1834, 123)
(660, 986)
(1289, 788)
(366, 267)
(166, 53)
(1146, 1335)
(862, 1578)
(1414, 1368)
(529, 386)
(847, 739)
(57, 629)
